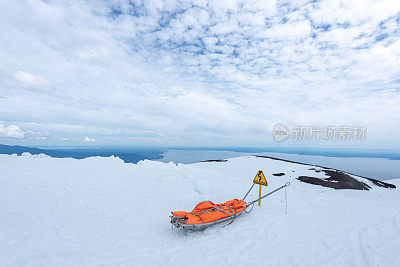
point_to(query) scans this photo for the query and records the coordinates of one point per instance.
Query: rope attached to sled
(234, 216)
(220, 209)
(252, 206)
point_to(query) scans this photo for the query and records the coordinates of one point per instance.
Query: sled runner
(207, 214)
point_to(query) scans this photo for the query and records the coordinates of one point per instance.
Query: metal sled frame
(175, 221)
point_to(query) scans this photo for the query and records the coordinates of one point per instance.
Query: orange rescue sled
(207, 214)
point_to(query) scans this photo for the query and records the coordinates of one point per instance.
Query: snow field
(101, 211)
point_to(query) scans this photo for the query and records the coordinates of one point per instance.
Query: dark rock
(381, 184)
(215, 160)
(336, 180)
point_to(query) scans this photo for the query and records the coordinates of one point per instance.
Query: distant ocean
(379, 164)
(128, 155)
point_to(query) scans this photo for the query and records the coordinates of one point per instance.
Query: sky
(197, 73)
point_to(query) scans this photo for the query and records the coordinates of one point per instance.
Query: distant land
(80, 153)
(327, 152)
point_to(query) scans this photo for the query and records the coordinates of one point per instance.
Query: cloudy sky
(197, 73)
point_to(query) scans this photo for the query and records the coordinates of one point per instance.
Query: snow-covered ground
(103, 212)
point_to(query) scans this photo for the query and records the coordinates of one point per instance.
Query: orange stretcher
(207, 214)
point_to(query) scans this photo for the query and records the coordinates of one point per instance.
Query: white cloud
(87, 139)
(193, 73)
(37, 135)
(289, 31)
(11, 131)
(30, 79)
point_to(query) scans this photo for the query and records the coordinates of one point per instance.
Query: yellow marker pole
(259, 196)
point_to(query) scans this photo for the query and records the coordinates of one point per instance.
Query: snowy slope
(101, 211)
